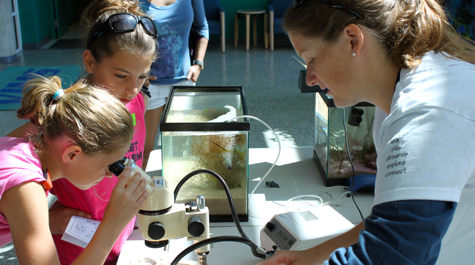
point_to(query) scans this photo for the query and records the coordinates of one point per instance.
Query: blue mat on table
(12, 80)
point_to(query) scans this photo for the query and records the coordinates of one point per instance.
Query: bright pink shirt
(18, 164)
(95, 199)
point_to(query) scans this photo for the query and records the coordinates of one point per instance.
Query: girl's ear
(88, 61)
(70, 154)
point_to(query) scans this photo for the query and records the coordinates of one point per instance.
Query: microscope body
(160, 219)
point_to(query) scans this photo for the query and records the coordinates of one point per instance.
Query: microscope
(161, 219)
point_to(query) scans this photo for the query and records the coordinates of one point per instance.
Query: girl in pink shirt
(118, 62)
(72, 142)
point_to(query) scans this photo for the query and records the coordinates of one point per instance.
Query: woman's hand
(194, 72)
(59, 217)
(127, 197)
(149, 77)
(283, 257)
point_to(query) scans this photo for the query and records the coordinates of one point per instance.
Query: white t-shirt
(426, 146)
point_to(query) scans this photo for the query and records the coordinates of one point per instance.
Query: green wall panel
(37, 23)
(35, 20)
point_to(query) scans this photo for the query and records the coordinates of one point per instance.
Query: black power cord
(243, 239)
(352, 166)
(215, 240)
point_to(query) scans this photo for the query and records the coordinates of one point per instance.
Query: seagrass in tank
(330, 150)
(195, 135)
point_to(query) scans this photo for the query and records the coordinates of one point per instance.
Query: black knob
(195, 226)
(156, 230)
(271, 226)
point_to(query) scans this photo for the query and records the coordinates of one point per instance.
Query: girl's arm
(125, 202)
(26, 208)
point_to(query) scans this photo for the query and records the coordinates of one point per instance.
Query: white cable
(278, 154)
(275, 162)
(305, 196)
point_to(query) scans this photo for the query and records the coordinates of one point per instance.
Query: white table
(295, 172)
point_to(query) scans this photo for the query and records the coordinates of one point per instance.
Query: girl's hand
(59, 217)
(194, 72)
(127, 197)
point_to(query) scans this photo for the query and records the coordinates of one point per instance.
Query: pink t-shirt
(95, 199)
(18, 164)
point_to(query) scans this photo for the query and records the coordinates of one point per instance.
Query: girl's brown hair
(407, 28)
(90, 117)
(135, 42)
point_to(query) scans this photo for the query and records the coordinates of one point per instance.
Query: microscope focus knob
(195, 226)
(156, 230)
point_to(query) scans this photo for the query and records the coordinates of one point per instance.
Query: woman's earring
(354, 54)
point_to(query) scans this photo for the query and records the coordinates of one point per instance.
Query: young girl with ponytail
(121, 44)
(119, 61)
(406, 59)
(77, 134)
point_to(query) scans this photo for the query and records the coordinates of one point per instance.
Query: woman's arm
(317, 254)
(200, 50)
(201, 25)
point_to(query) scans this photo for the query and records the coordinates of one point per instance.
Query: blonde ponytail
(89, 116)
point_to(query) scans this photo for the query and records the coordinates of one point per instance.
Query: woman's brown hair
(135, 42)
(89, 116)
(407, 28)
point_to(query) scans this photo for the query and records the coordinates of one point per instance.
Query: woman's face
(329, 65)
(123, 73)
(93, 168)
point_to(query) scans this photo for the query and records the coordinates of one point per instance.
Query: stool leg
(266, 33)
(248, 29)
(223, 32)
(236, 30)
(271, 30)
(254, 29)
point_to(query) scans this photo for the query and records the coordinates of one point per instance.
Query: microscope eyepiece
(118, 167)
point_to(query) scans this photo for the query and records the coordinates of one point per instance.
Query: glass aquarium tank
(196, 134)
(330, 150)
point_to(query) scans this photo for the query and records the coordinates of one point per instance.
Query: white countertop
(295, 172)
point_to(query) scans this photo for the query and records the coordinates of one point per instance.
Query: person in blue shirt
(406, 59)
(173, 19)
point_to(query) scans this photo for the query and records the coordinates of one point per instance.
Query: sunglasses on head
(331, 3)
(125, 22)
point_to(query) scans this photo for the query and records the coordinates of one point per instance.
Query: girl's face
(123, 73)
(329, 65)
(93, 168)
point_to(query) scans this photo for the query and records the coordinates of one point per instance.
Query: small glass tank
(195, 135)
(330, 151)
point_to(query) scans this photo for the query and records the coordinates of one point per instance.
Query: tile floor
(269, 80)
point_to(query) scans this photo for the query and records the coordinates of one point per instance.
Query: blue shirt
(173, 24)
(400, 233)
